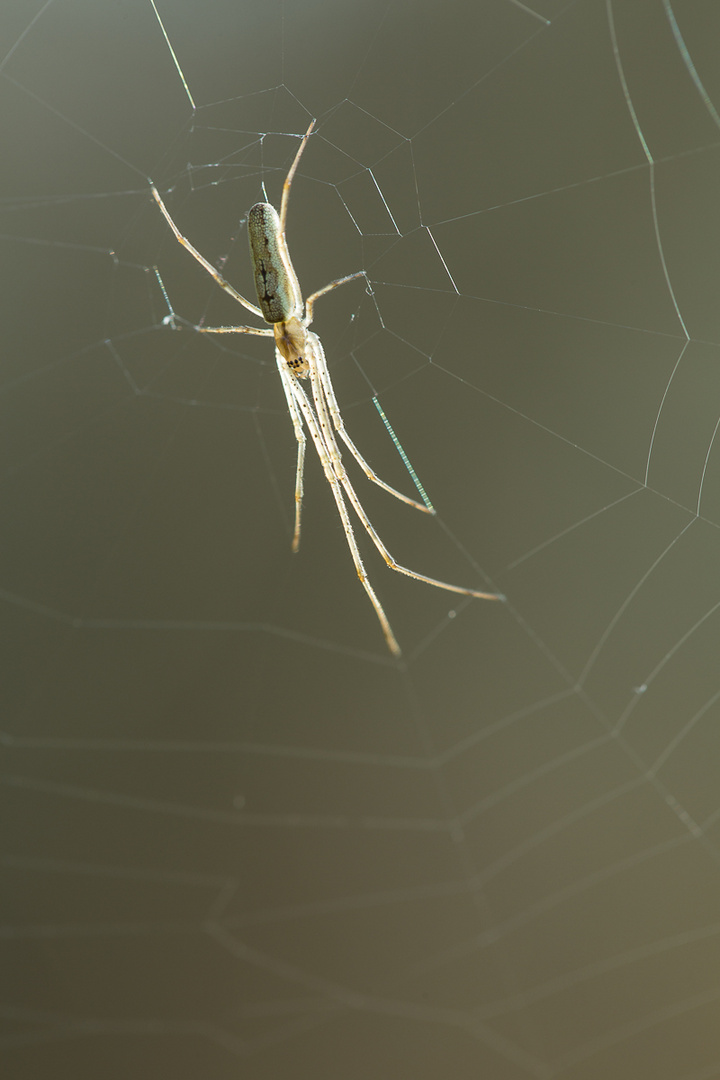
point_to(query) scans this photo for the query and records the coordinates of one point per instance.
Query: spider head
(291, 339)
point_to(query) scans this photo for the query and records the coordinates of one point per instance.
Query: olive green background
(238, 838)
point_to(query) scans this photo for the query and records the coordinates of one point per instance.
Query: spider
(300, 356)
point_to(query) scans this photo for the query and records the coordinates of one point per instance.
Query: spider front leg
(318, 425)
(315, 350)
(286, 378)
(322, 410)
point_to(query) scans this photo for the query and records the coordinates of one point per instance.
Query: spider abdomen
(275, 280)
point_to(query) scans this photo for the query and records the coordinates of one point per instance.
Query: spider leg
(339, 472)
(203, 262)
(318, 353)
(289, 178)
(233, 330)
(296, 417)
(310, 302)
(314, 427)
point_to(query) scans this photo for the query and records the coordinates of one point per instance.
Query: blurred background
(239, 838)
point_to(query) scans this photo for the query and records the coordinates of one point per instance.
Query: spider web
(238, 834)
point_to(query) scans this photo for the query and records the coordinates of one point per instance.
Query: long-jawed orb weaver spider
(299, 356)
